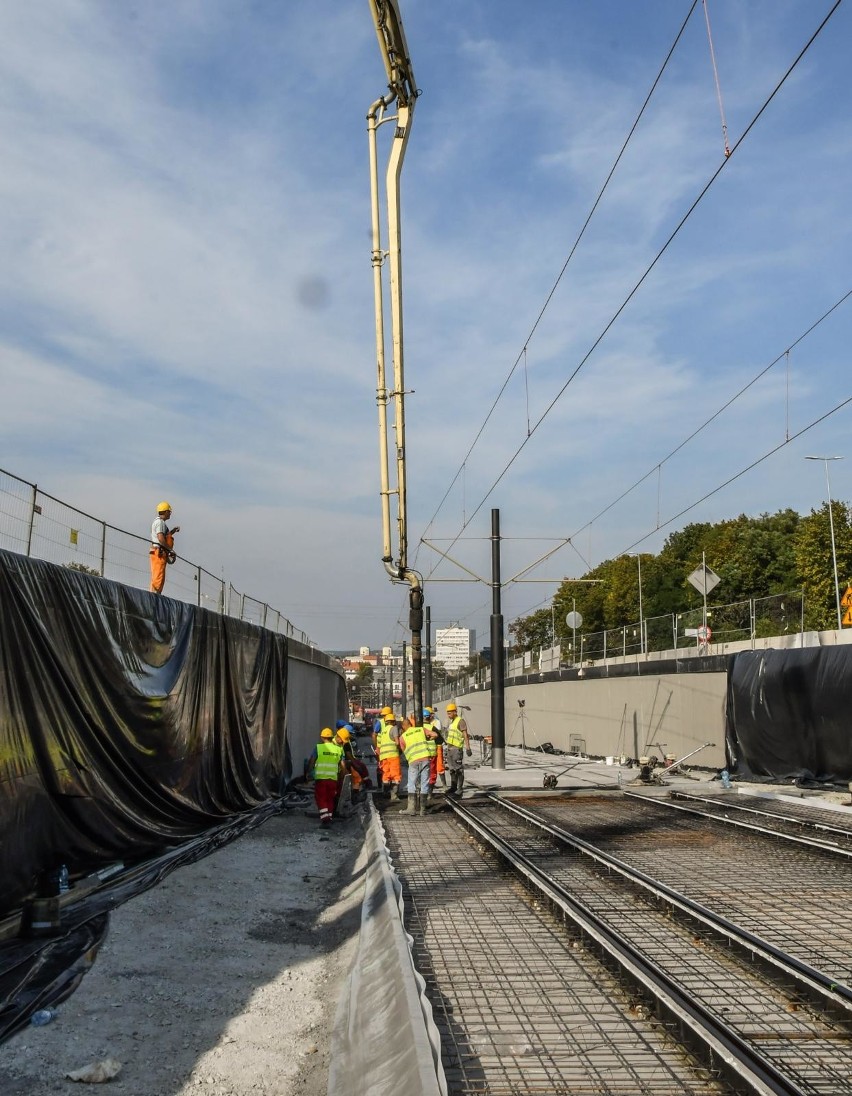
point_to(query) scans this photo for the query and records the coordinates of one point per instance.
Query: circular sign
(574, 620)
(704, 633)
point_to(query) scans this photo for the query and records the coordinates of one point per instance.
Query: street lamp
(825, 461)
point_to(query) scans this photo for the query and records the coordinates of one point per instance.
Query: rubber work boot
(460, 783)
(411, 803)
(422, 800)
(453, 778)
(443, 778)
(394, 794)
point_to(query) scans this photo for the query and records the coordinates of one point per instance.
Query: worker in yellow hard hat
(325, 765)
(457, 745)
(386, 749)
(162, 547)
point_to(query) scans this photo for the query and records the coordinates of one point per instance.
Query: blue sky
(186, 306)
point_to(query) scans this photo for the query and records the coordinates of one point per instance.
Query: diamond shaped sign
(704, 579)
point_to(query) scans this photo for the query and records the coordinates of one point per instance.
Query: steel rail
(809, 842)
(726, 1048)
(807, 977)
(731, 805)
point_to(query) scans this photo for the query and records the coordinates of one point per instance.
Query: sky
(186, 294)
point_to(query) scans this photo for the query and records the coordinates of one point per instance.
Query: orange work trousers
(159, 562)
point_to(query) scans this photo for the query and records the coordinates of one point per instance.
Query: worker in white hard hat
(162, 547)
(457, 745)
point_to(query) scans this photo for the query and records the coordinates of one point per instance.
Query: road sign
(704, 633)
(847, 619)
(846, 600)
(690, 632)
(574, 620)
(704, 579)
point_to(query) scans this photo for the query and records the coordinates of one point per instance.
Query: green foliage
(812, 547)
(84, 569)
(755, 557)
(364, 673)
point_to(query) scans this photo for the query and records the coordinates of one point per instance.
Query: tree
(812, 545)
(83, 569)
(364, 673)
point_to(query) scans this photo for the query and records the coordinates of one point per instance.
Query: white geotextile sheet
(385, 1041)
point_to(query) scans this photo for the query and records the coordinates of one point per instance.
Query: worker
(434, 745)
(458, 744)
(387, 747)
(325, 765)
(440, 767)
(162, 547)
(376, 727)
(356, 769)
(414, 741)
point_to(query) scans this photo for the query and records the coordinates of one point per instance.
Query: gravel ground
(222, 980)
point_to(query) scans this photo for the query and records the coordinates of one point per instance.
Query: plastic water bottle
(62, 879)
(726, 779)
(43, 1017)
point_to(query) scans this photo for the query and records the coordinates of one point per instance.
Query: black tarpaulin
(788, 714)
(128, 722)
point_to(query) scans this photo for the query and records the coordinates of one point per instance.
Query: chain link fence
(36, 524)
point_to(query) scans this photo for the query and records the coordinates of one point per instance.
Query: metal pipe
(498, 699)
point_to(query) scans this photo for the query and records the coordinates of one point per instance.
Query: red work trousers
(325, 793)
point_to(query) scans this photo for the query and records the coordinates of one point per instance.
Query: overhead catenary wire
(743, 471)
(716, 78)
(522, 355)
(662, 250)
(784, 355)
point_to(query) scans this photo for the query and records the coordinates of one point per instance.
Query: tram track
(720, 1009)
(799, 823)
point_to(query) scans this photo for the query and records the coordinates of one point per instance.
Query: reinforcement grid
(794, 897)
(522, 1007)
(804, 1043)
(788, 819)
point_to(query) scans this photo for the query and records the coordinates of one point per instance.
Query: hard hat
(343, 735)
(430, 710)
(162, 507)
(350, 728)
(387, 711)
(340, 723)
(326, 732)
(452, 708)
(427, 712)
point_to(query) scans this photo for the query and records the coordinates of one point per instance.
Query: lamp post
(825, 461)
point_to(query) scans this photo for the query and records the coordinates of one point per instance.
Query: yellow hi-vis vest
(454, 735)
(329, 757)
(432, 744)
(387, 746)
(415, 745)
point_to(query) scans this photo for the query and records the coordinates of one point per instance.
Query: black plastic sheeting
(129, 722)
(788, 715)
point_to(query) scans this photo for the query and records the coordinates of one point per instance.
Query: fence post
(222, 597)
(674, 630)
(103, 549)
(198, 583)
(624, 641)
(33, 509)
(265, 611)
(242, 606)
(752, 613)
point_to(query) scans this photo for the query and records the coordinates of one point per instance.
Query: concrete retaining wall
(614, 715)
(316, 697)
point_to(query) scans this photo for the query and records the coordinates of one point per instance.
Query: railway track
(554, 966)
(798, 822)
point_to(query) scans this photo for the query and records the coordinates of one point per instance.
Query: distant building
(453, 646)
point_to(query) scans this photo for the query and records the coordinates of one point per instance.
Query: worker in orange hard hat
(162, 547)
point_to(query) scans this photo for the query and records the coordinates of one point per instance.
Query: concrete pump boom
(402, 91)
